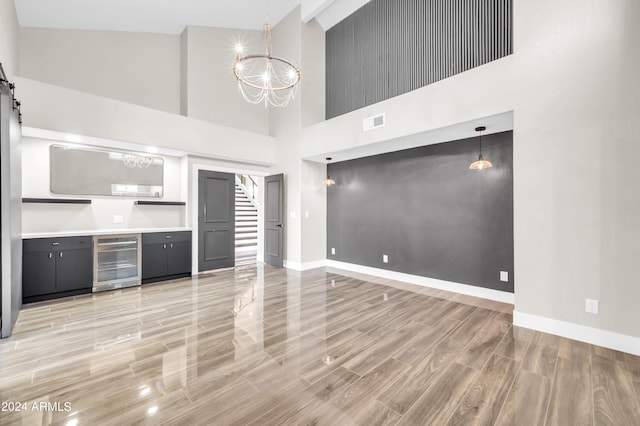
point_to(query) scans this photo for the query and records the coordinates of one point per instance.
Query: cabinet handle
(167, 236)
(50, 255)
(171, 245)
(55, 244)
(60, 254)
(164, 246)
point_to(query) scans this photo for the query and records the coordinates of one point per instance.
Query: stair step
(246, 251)
(247, 236)
(246, 243)
(246, 230)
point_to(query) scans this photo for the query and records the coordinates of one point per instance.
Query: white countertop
(100, 232)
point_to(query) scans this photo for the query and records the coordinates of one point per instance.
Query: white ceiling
(171, 16)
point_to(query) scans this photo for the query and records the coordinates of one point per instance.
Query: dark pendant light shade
(481, 163)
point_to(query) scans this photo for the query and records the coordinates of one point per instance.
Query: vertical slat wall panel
(390, 47)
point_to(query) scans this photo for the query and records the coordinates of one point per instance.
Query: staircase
(246, 229)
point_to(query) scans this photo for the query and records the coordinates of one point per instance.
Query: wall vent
(374, 122)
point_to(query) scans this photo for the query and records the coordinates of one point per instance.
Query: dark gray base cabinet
(56, 267)
(166, 256)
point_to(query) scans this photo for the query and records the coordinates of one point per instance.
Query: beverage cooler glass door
(117, 260)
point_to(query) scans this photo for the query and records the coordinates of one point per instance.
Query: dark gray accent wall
(427, 211)
(390, 47)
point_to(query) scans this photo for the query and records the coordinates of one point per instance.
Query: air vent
(374, 122)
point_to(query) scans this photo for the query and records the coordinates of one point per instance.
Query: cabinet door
(179, 260)
(74, 269)
(154, 260)
(38, 273)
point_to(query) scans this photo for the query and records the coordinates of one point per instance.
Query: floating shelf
(159, 203)
(56, 200)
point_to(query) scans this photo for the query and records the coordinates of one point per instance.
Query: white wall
(285, 124)
(577, 225)
(138, 68)
(56, 108)
(211, 88)
(99, 214)
(305, 196)
(312, 86)
(9, 38)
(314, 211)
(572, 86)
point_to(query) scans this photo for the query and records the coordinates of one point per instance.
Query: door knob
(279, 225)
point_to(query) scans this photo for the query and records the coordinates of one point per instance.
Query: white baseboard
(470, 290)
(297, 266)
(594, 336)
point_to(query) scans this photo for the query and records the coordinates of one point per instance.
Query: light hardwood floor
(262, 346)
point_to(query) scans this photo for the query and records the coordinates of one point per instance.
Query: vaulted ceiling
(171, 16)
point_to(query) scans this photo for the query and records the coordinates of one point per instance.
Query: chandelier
(133, 160)
(264, 78)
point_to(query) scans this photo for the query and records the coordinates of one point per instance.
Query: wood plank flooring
(262, 346)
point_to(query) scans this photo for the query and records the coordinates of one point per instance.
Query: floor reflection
(268, 345)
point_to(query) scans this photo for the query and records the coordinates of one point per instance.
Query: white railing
(249, 186)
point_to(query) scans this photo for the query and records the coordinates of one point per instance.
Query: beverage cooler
(117, 261)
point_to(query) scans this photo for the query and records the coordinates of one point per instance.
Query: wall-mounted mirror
(81, 171)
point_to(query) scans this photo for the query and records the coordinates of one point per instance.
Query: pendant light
(481, 163)
(328, 181)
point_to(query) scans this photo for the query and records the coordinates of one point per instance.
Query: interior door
(274, 220)
(216, 220)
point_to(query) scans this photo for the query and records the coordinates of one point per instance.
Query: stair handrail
(249, 186)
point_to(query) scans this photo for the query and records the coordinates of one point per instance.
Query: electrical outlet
(333, 250)
(385, 258)
(591, 306)
(504, 276)
(118, 218)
